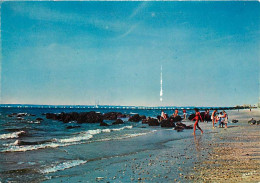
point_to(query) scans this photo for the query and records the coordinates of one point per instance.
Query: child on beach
(221, 120)
(197, 118)
(213, 118)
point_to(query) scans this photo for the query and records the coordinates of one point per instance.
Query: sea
(54, 151)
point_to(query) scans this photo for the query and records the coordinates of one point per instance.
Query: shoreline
(219, 155)
(165, 155)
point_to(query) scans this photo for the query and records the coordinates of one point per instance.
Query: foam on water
(11, 135)
(125, 136)
(78, 139)
(62, 166)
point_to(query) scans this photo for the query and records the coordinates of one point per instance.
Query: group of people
(220, 118)
(175, 114)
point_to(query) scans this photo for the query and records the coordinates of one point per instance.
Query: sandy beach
(235, 155)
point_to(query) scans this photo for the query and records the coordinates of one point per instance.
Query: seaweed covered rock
(118, 121)
(135, 118)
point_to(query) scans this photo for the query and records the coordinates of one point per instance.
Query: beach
(136, 152)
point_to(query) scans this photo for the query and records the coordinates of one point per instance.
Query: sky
(111, 53)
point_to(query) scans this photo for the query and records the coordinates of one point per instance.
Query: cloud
(138, 9)
(131, 29)
(43, 13)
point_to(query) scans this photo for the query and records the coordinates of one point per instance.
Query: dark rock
(258, 122)
(143, 117)
(179, 124)
(12, 129)
(179, 128)
(167, 123)
(234, 120)
(110, 116)
(252, 122)
(90, 117)
(158, 117)
(71, 127)
(145, 121)
(153, 122)
(191, 116)
(177, 119)
(135, 118)
(22, 143)
(189, 127)
(51, 116)
(39, 119)
(83, 117)
(118, 121)
(103, 124)
(23, 134)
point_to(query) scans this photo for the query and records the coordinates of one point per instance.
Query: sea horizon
(116, 106)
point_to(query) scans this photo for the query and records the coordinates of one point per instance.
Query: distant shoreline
(119, 107)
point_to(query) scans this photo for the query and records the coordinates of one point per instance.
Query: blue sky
(81, 52)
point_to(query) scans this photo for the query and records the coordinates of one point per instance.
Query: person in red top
(175, 113)
(184, 113)
(197, 118)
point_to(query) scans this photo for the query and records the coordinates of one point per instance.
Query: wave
(81, 138)
(62, 166)
(125, 136)
(11, 135)
(89, 134)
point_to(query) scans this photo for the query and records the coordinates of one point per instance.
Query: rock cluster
(253, 122)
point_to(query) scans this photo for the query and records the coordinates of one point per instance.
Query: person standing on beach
(184, 113)
(197, 118)
(213, 118)
(225, 118)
